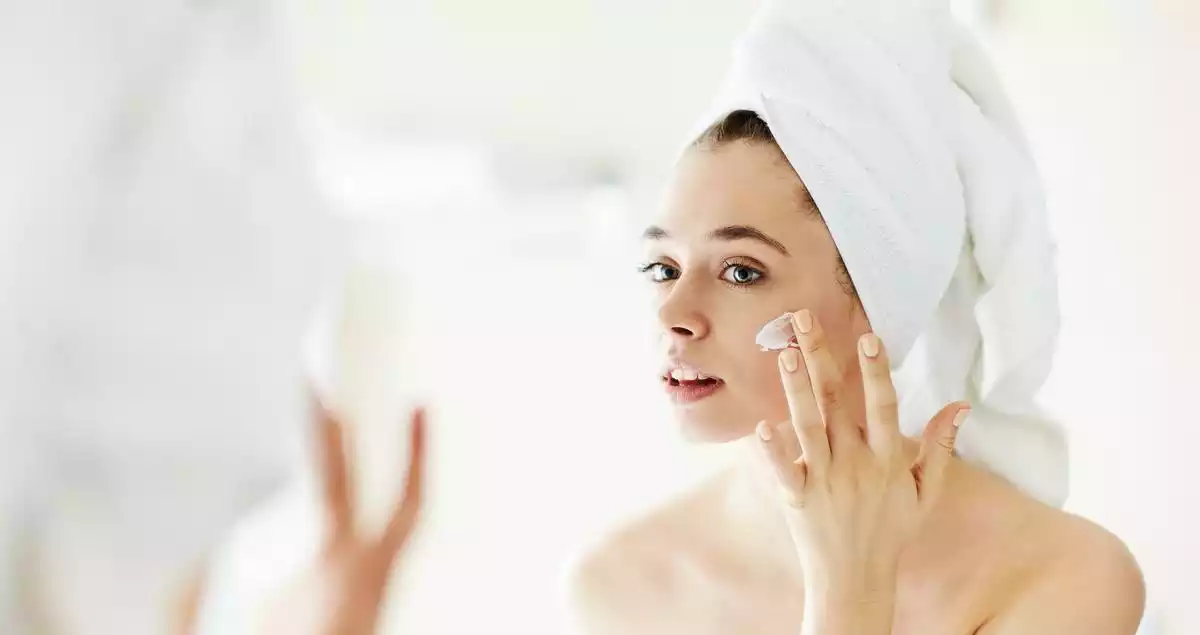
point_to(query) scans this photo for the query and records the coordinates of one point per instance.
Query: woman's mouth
(688, 386)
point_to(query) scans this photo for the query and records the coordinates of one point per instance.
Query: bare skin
(723, 559)
(698, 566)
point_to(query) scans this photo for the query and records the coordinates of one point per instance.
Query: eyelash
(725, 266)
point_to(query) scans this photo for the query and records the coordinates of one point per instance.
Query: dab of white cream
(776, 334)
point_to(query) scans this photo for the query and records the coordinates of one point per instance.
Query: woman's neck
(752, 508)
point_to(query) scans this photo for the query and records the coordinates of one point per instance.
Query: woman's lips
(691, 391)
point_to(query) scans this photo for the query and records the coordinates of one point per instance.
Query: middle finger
(827, 381)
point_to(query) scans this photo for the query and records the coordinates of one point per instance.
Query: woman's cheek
(766, 391)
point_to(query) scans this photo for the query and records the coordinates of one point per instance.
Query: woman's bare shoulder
(626, 580)
(1077, 577)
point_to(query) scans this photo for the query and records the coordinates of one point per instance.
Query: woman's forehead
(740, 184)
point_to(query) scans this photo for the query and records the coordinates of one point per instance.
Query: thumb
(937, 448)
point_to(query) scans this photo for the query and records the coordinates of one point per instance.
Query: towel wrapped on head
(895, 121)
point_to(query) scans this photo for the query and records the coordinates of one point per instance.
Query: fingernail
(870, 345)
(803, 321)
(961, 417)
(789, 359)
(764, 431)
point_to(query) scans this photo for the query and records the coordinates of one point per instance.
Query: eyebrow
(728, 233)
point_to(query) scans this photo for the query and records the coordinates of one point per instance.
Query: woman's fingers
(404, 516)
(784, 436)
(782, 449)
(805, 414)
(883, 419)
(937, 449)
(826, 376)
(335, 473)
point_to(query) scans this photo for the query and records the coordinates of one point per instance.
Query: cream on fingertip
(777, 334)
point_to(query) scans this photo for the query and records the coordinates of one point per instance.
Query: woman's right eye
(660, 272)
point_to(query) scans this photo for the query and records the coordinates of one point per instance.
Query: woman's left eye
(741, 275)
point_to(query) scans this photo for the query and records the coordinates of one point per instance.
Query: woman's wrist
(849, 617)
(850, 609)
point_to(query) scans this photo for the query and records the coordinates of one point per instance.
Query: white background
(168, 234)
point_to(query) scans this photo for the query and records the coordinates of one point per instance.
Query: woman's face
(738, 243)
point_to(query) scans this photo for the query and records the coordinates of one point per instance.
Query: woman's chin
(696, 426)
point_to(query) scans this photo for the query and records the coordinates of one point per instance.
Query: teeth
(687, 374)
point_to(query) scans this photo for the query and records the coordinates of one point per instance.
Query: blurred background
(204, 203)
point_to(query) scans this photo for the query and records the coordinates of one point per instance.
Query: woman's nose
(682, 320)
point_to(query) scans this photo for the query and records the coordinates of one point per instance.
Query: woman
(987, 558)
(862, 174)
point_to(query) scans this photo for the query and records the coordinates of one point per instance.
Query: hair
(747, 127)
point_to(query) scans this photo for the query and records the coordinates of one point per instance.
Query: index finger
(334, 471)
(404, 516)
(805, 414)
(827, 379)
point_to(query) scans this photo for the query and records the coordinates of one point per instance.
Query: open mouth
(686, 385)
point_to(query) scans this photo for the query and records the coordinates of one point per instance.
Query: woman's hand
(855, 496)
(342, 593)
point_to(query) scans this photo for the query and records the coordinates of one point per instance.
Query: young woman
(862, 175)
(870, 538)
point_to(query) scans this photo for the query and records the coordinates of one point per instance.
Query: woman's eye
(741, 275)
(660, 272)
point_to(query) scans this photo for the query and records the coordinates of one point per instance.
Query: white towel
(894, 119)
